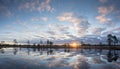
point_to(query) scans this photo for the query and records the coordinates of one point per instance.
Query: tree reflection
(28, 51)
(67, 50)
(50, 52)
(15, 51)
(2, 50)
(34, 49)
(112, 56)
(41, 52)
(67, 47)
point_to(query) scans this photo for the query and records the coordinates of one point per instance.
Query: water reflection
(67, 50)
(15, 51)
(50, 58)
(2, 50)
(112, 55)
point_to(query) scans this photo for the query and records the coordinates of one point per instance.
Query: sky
(60, 21)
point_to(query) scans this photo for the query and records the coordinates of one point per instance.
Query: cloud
(69, 17)
(5, 11)
(22, 23)
(98, 30)
(28, 25)
(80, 63)
(105, 10)
(72, 37)
(94, 39)
(103, 1)
(30, 6)
(118, 17)
(65, 16)
(51, 32)
(37, 6)
(82, 27)
(116, 29)
(57, 31)
(104, 13)
(44, 19)
(45, 6)
(80, 24)
(9, 14)
(24, 6)
(103, 19)
(62, 29)
(113, 31)
(20, 36)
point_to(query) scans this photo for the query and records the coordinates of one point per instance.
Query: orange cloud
(69, 16)
(45, 6)
(36, 6)
(105, 10)
(103, 19)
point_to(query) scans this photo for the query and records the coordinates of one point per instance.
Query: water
(32, 58)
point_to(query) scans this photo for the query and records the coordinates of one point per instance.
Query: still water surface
(32, 58)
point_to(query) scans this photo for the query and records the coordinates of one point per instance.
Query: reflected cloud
(59, 60)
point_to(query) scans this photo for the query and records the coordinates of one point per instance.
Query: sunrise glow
(60, 34)
(74, 44)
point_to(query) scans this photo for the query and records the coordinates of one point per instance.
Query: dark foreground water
(31, 58)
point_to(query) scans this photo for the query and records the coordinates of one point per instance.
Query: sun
(74, 44)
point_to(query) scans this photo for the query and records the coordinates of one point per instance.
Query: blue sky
(59, 20)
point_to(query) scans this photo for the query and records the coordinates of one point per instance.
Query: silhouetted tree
(100, 43)
(41, 42)
(15, 42)
(28, 42)
(82, 43)
(34, 44)
(51, 43)
(109, 39)
(115, 40)
(48, 42)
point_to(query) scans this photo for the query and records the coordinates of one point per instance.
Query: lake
(36, 58)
